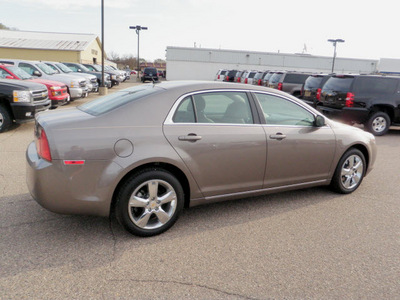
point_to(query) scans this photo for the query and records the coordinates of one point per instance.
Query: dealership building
(203, 64)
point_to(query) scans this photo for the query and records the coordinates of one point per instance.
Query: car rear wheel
(5, 119)
(150, 202)
(378, 124)
(349, 172)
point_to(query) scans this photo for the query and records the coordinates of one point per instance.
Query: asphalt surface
(308, 244)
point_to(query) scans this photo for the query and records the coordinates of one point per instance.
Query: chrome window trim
(169, 121)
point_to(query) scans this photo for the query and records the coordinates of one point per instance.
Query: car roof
(186, 86)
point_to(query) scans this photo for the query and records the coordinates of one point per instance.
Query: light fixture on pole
(138, 28)
(335, 41)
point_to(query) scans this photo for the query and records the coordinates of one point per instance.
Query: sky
(285, 26)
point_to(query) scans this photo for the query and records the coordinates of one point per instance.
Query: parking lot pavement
(308, 244)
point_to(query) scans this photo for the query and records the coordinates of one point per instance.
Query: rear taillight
(280, 86)
(318, 95)
(238, 79)
(227, 78)
(349, 100)
(42, 144)
(245, 80)
(219, 76)
(259, 81)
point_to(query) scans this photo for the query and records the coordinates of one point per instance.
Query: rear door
(215, 135)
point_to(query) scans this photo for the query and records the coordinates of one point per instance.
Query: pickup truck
(20, 101)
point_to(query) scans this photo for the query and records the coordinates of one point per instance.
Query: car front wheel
(150, 202)
(378, 124)
(349, 172)
(5, 119)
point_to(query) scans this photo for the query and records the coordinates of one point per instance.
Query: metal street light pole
(102, 88)
(138, 28)
(335, 41)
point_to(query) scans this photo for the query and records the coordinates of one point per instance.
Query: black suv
(150, 74)
(312, 88)
(20, 101)
(289, 82)
(230, 76)
(371, 100)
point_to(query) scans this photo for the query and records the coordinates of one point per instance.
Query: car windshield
(97, 68)
(53, 67)
(83, 68)
(45, 68)
(107, 103)
(19, 72)
(64, 68)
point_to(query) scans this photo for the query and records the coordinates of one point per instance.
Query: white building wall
(203, 64)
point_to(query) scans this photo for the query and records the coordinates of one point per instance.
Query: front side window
(215, 107)
(27, 68)
(280, 111)
(45, 68)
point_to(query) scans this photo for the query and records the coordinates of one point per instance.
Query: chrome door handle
(279, 136)
(190, 137)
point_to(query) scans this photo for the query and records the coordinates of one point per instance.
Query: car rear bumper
(69, 189)
(347, 114)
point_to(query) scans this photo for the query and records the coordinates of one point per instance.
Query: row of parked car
(27, 87)
(371, 100)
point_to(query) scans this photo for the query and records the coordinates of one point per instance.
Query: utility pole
(335, 41)
(137, 29)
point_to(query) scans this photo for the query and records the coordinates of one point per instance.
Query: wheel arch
(364, 151)
(156, 166)
(388, 109)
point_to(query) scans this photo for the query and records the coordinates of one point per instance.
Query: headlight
(114, 77)
(22, 96)
(74, 83)
(56, 90)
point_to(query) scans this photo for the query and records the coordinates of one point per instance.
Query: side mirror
(37, 73)
(319, 121)
(10, 77)
(79, 70)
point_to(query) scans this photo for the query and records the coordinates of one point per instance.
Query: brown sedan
(148, 151)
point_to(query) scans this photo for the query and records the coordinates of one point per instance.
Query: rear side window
(295, 78)
(215, 107)
(338, 84)
(374, 85)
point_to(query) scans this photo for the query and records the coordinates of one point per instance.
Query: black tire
(349, 172)
(378, 123)
(151, 212)
(5, 119)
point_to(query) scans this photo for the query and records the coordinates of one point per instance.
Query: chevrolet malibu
(146, 152)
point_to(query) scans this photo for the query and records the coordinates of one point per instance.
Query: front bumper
(27, 111)
(76, 93)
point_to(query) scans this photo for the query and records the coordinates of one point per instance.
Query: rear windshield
(110, 102)
(313, 82)
(338, 84)
(275, 78)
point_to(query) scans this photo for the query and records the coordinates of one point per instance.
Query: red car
(57, 91)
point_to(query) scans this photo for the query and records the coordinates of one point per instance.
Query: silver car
(147, 152)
